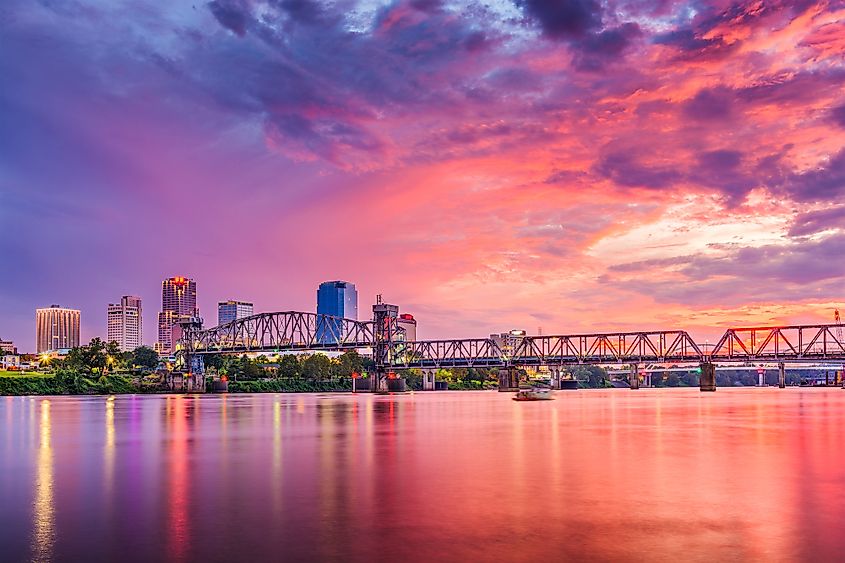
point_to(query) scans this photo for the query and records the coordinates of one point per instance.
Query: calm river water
(663, 475)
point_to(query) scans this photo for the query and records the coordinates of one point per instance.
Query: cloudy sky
(575, 165)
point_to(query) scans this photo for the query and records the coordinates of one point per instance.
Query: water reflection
(277, 476)
(43, 534)
(108, 448)
(178, 521)
(605, 475)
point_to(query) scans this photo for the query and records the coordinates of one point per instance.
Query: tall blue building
(338, 299)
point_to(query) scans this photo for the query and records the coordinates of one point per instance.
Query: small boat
(534, 394)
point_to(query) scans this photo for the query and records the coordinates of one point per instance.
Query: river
(604, 475)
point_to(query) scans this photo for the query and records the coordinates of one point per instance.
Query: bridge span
(301, 331)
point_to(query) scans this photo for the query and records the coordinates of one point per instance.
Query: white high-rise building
(56, 328)
(125, 323)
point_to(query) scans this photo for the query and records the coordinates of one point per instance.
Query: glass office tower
(337, 299)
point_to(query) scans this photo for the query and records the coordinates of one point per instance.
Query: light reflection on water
(43, 533)
(753, 474)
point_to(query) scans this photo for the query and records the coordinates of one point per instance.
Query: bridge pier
(707, 380)
(428, 379)
(634, 378)
(647, 381)
(508, 380)
(781, 375)
(555, 379)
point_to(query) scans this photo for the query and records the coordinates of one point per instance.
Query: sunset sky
(575, 165)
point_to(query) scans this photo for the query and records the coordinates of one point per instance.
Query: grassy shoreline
(21, 384)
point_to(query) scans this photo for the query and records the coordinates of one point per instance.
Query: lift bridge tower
(838, 319)
(385, 330)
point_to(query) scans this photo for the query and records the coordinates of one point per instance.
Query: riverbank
(68, 384)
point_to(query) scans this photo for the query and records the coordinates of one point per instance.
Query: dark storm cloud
(232, 14)
(711, 104)
(838, 115)
(624, 168)
(817, 221)
(564, 19)
(825, 183)
(594, 51)
(692, 46)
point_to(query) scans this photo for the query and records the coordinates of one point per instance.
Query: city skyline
(489, 166)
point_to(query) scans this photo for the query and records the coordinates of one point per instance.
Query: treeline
(100, 358)
(311, 367)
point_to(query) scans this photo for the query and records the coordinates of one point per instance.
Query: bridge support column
(555, 379)
(508, 380)
(634, 378)
(378, 381)
(760, 376)
(647, 381)
(428, 379)
(707, 381)
(782, 375)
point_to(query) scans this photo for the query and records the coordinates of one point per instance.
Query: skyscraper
(228, 311)
(338, 299)
(178, 303)
(56, 328)
(125, 323)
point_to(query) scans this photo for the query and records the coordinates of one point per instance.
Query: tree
(94, 355)
(114, 357)
(350, 362)
(316, 367)
(289, 367)
(145, 358)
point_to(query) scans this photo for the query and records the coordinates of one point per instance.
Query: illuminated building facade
(338, 299)
(228, 311)
(178, 303)
(125, 323)
(56, 328)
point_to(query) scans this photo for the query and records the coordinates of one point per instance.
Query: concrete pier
(634, 378)
(555, 377)
(707, 380)
(428, 379)
(508, 380)
(782, 375)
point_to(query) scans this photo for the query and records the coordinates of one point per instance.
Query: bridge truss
(298, 331)
(276, 332)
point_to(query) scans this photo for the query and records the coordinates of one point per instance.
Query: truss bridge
(383, 338)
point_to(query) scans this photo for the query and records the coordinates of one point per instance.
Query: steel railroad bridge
(299, 331)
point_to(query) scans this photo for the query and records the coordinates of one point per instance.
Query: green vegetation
(25, 374)
(94, 369)
(71, 383)
(98, 358)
